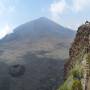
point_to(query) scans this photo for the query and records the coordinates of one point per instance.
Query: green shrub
(77, 74)
(77, 85)
(64, 87)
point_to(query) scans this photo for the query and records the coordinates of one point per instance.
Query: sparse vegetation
(79, 61)
(77, 85)
(73, 81)
(64, 87)
(88, 58)
(77, 74)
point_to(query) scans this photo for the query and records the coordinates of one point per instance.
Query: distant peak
(43, 18)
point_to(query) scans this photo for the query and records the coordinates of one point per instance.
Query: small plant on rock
(77, 85)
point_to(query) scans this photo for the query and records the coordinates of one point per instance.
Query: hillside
(38, 35)
(34, 55)
(77, 68)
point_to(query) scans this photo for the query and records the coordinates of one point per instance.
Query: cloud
(57, 8)
(80, 5)
(6, 8)
(6, 30)
(2, 8)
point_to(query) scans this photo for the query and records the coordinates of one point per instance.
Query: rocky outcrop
(80, 46)
(77, 68)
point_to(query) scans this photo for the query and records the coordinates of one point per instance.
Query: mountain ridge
(42, 23)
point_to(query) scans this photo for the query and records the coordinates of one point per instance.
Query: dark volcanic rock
(17, 70)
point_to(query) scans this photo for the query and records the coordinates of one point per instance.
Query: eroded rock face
(81, 41)
(80, 45)
(17, 70)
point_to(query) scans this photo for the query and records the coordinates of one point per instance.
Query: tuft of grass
(77, 85)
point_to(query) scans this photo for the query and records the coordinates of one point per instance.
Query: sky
(68, 13)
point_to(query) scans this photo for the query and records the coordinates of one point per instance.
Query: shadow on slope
(4, 77)
(41, 73)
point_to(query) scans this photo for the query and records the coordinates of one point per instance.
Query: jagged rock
(80, 45)
(17, 70)
(87, 22)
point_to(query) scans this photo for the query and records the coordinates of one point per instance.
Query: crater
(17, 70)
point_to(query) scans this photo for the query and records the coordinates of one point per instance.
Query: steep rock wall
(79, 47)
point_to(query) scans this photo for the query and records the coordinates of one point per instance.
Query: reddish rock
(80, 45)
